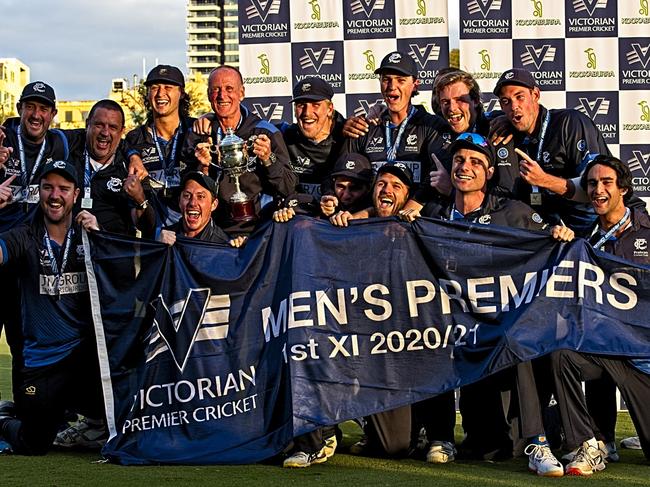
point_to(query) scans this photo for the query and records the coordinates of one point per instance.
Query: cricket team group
(218, 177)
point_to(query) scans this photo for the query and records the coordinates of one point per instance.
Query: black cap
(515, 76)
(399, 169)
(163, 73)
(399, 62)
(312, 89)
(476, 142)
(354, 166)
(63, 168)
(39, 91)
(206, 181)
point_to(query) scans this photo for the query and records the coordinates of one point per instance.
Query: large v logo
(179, 325)
(262, 9)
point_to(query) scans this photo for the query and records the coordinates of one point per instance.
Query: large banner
(221, 355)
(341, 41)
(591, 55)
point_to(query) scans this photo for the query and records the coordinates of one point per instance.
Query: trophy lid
(231, 139)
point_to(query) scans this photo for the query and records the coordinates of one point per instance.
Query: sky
(79, 46)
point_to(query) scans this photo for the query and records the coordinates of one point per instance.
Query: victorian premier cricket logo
(483, 6)
(270, 112)
(262, 9)
(177, 327)
(367, 6)
(537, 56)
(588, 6)
(316, 58)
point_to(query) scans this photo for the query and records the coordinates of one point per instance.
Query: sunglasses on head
(473, 138)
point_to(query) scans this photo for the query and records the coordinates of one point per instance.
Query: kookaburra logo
(200, 316)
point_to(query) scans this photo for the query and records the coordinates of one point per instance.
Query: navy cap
(399, 62)
(476, 142)
(63, 168)
(163, 73)
(39, 91)
(312, 89)
(515, 76)
(206, 181)
(399, 169)
(354, 166)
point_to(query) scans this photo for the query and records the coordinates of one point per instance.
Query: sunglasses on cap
(473, 138)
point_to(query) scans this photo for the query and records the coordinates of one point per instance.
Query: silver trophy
(236, 161)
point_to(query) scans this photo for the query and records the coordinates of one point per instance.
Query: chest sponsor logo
(66, 283)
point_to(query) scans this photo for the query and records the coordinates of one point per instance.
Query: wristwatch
(271, 160)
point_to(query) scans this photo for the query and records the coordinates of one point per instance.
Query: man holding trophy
(247, 154)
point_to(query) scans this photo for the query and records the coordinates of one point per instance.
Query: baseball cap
(63, 168)
(399, 169)
(312, 89)
(354, 166)
(515, 76)
(399, 62)
(39, 91)
(166, 74)
(206, 181)
(476, 142)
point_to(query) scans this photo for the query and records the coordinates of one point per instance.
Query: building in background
(14, 75)
(72, 114)
(212, 35)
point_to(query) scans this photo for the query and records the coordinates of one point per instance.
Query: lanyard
(66, 250)
(540, 145)
(391, 149)
(23, 163)
(167, 164)
(612, 230)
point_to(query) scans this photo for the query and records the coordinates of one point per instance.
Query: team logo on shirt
(114, 184)
(546, 157)
(485, 219)
(502, 153)
(375, 144)
(641, 244)
(581, 145)
(301, 164)
(536, 218)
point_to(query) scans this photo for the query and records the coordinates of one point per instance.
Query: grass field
(74, 468)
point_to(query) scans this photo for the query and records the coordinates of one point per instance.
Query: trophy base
(242, 211)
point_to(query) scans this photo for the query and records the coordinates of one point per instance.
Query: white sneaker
(300, 459)
(631, 443)
(441, 452)
(588, 460)
(607, 450)
(542, 461)
(85, 433)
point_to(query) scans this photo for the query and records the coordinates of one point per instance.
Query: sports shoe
(542, 461)
(631, 443)
(300, 459)
(588, 460)
(330, 446)
(441, 452)
(607, 450)
(7, 409)
(85, 433)
(360, 447)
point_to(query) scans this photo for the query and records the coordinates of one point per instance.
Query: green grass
(74, 468)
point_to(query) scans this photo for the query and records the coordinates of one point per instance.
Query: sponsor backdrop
(591, 55)
(341, 41)
(222, 355)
